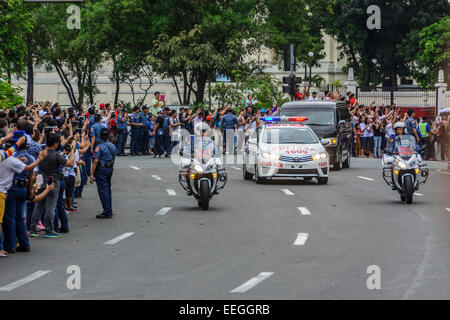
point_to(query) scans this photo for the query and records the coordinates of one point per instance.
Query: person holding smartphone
(50, 168)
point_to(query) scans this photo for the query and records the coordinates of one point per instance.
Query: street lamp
(311, 54)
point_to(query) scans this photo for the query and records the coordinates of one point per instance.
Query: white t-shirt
(8, 168)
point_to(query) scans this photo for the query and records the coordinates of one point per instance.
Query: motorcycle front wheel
(409, 189)
(204, 194)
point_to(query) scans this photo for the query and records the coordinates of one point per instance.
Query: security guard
(144, 135)
(411, 126)
(102, 171)
(135, 131)
(95, 131)
(87, 157)
(229, 124)
(425, 130)
(123, 131)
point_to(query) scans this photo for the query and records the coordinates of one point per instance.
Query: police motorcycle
(203, 175)
(403, 168)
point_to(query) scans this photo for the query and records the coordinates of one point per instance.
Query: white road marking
(252, 282)
(236, 168)
(163, 211)
(301, 239)
(418, 194)
(365, 178)
(440, 171)
(25, 280)
(448, 209)
(135, 168)
(287, 192)
(304, 211)
(119, 238)
(156, 177)
(171, 192)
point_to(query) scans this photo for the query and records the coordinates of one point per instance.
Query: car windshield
(405, 146)
(318, 117)
(290, 135)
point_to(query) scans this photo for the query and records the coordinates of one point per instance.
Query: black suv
(330, 120)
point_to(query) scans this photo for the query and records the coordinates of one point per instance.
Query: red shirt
(298, 96)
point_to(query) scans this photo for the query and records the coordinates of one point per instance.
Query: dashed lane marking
(156, 177)
(252, 282)
(304, 211)
(365, 178)
(25, 280)
(119, 238)
(135, 168)
(287, 192)
(418, 194)
(171, 192)
(301, 239)
(163, 211)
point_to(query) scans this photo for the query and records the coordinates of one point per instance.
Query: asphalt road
(253, 243)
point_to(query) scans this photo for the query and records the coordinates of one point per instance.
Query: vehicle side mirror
(324, 142)
(341, 122)
(422, 148)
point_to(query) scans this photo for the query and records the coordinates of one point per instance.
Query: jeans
(166, 141)
(14, 220)
(103, 179)
(88, 161)
(60, 212)
(84, 177)
(426, 152)
(30, 208)
(377, 146)
(48, 204)
(159, 150)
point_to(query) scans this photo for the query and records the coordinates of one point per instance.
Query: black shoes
(9, 250)
(23, 249)
(103, 216)
(63, 230)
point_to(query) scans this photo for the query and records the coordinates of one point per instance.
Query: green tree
(433, 52)
(201, 39)
(9, 95)
(346, 21)
(73, 53)
(289, 22)
(15, 24)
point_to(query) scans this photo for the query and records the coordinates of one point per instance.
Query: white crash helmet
(399, 125)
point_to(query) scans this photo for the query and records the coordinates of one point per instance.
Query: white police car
(283, 147)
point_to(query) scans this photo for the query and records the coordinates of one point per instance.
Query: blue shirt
(135, 118)
(105, 152)
(410, 125)
(95, 130)
(143, 117)
(121, 121)
(229, 121)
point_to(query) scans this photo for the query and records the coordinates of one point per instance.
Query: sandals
(3, 254)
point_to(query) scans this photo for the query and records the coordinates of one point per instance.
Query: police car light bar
(278, 119)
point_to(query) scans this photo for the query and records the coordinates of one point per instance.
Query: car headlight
(319, 156)
(332, 141)
(400, 164)
(272, 156)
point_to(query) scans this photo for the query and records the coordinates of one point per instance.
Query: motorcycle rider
(399, 129)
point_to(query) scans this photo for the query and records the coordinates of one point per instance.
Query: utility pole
(292, 75)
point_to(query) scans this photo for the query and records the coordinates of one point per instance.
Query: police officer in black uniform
(102, 171)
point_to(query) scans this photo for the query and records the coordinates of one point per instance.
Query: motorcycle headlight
(272, 156)
(399, 163)
(198, 168)
(319, 156)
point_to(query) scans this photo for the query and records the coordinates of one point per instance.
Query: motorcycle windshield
(405, 146)
(204, 151)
